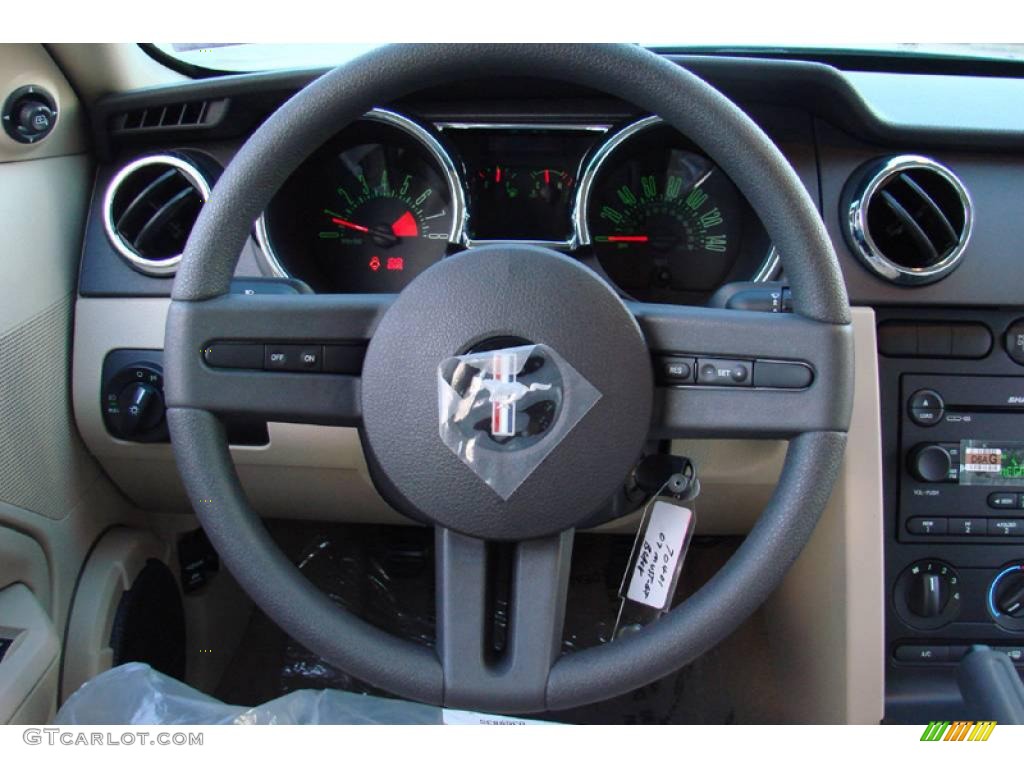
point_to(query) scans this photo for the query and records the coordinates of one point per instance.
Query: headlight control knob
(133, 403)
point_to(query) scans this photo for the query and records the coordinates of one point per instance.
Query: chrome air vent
(908, 219)
(150, 207)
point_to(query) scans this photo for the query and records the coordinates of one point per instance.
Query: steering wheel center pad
(520, 291)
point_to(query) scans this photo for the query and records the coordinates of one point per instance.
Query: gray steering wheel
(530, 293)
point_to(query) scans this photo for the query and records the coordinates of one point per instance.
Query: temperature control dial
(928, 594)
(1006, 598)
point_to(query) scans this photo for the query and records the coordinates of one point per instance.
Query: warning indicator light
(375, 263)
(396, 264)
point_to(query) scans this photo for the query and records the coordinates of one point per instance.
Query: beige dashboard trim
(827, 619)
(305, 472)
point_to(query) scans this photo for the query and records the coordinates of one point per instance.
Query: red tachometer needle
(349, 224)
(628, 238)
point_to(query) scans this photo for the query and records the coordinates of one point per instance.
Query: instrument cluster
(389, 196)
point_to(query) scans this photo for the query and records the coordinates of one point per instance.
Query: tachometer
(367, 212)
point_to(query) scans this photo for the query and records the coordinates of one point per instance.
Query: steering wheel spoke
(483, 661)
(750, 374)
(279, 357)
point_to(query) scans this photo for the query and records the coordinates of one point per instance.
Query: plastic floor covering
(386, 575)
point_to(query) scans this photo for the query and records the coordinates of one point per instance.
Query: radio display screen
(988, 462)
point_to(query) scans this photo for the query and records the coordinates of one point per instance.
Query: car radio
(963, 474)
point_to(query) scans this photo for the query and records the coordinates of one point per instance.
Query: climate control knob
(1006, 598)
(931, 463)
(928, 594)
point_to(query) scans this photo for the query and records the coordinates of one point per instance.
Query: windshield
(250, 57)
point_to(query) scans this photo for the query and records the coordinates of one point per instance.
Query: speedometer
(367, 212)
(664, 222)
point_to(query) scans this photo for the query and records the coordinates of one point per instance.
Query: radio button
(968, 526)
(926, 407)
(998, 526)
(927, 526)
(1003, 500)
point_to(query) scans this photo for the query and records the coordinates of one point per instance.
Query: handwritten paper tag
(658, 556)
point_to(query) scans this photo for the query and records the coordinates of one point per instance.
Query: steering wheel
(530, 293)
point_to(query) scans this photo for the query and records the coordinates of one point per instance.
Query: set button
(724, 373)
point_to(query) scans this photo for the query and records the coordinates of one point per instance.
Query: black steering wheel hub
(516, 291)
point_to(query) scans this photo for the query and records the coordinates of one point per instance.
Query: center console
(952, 396)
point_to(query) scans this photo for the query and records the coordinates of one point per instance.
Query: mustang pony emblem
(504, 391)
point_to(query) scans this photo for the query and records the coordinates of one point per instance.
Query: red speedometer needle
(627, 238)
(349, 224)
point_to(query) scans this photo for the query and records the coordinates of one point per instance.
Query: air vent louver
(186, 114)
(909, 219)
(150, 208)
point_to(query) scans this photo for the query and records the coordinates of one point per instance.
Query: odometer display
(365, 214)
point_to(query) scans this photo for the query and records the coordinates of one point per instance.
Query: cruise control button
(677, 370)
(927, 526)
(292, 357)
(278, 358)
(309, 358)
(724, 373)
(968, 526)
(1003, 500)
(1005, 527)
(227, 355)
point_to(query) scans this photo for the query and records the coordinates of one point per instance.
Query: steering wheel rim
(531, 678)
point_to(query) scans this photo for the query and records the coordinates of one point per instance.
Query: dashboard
(389, 196)
(918, 178)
